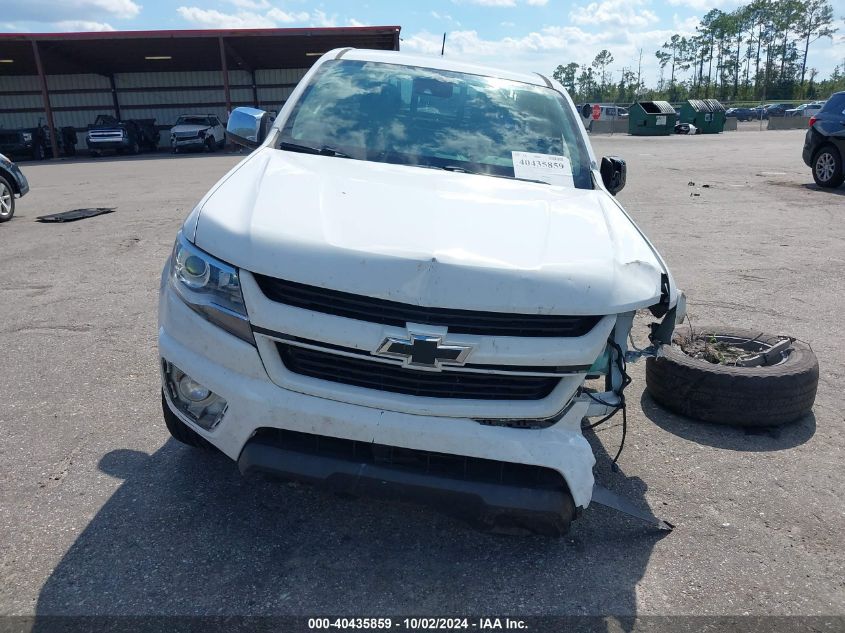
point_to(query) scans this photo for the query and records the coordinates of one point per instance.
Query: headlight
(27, 136)
(209, 287)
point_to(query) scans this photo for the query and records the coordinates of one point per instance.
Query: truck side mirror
(248, 126)
(614, 173)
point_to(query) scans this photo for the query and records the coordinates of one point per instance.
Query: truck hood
(189, 128)
(428, 237)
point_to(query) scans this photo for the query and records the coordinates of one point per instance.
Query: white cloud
(354, 22)
(283, 17)
(68, 10)
(212, 19)
(705, 5)
(489, 3)
(83, 25)
(502, 3)
(628, 13)
(252, 5)
(512, 52)
(321, 18)
(542, 50)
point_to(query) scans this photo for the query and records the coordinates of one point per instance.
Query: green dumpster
(651, 118)
(708, 115)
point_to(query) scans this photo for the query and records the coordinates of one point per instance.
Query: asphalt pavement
(101, 513)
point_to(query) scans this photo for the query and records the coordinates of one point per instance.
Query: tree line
(757, 52)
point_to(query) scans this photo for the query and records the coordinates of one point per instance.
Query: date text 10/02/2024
(416, 624)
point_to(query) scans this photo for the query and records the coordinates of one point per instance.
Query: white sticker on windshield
(548, 168)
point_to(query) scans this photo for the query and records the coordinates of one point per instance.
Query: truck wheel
(38, 152)
(221, 144)
(827, 167)
(210, 145)
(7, 200)
(135, 148)
(179, 430)
(94, 153)
(767, 395)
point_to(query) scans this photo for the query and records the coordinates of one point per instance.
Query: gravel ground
(100, 513)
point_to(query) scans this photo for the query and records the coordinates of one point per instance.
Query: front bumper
(234, 370)
(96, 145)
(193, 142)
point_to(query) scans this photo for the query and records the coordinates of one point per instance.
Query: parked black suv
(824, 145)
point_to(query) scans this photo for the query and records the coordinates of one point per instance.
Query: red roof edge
(179, 33)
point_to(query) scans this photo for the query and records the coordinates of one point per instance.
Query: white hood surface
(429, 237)
(189, 127)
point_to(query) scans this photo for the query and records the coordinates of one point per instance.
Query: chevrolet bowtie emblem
(419, 350)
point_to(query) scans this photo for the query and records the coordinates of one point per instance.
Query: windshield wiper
(461, 170)
(325, 150)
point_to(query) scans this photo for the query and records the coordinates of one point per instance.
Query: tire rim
(825, 166)
(751, 346)
(5, 200)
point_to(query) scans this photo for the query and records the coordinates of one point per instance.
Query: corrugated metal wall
(163, 96)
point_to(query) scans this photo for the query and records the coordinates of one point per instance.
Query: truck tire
(179, 430)
(210, 145)
(7, 200)
(828, 171)
(135, 148)
(38, 152)
(768, 395)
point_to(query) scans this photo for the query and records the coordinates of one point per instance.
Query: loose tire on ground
(740, 396)
(179, 430)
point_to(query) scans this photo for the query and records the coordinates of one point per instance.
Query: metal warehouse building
(67, 79)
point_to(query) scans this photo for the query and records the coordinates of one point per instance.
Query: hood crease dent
(429, 237)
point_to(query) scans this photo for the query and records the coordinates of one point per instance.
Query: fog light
(198, 402)
(191, 390)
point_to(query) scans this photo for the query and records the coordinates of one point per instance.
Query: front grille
(186, 135)
(363, 372)
(386, 312)
(412, 460)
(109, 135)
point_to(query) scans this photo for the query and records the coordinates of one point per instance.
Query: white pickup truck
(404, 287)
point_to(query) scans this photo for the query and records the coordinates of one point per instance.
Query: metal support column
(114, 99)
(45, 95)
(225, 68)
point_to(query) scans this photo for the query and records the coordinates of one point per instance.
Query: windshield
(193, 120)
(433, 118)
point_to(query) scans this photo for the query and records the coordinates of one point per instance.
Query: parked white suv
(404, 287)
(197, 131)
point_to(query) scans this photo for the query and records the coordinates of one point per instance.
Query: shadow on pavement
(839, 191)
(730, 437)
(185, 534)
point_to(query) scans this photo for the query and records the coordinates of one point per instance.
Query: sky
(523, 35)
